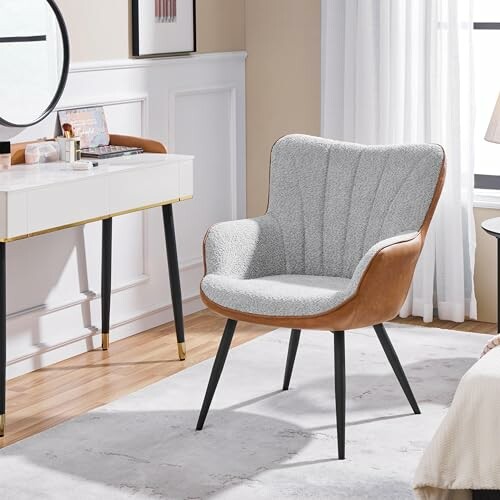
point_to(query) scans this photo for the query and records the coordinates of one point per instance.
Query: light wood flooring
(49, 396)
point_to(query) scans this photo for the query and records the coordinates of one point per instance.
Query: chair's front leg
(175, 282)
(107, 236)
(390, 352)
(220, 359)
(3, 337)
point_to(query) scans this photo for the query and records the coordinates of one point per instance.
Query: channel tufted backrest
(334, 200)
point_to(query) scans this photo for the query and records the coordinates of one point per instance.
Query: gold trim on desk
(105, 341)
(95, 219)
(181, 348)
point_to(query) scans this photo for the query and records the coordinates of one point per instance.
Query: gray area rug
(258, 442)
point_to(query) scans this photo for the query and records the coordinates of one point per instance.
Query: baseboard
(90, 340)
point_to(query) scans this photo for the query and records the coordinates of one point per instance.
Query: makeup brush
(68, 130)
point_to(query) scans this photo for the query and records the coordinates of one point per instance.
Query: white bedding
(465, 451)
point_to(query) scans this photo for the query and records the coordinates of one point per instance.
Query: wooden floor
(49, 396)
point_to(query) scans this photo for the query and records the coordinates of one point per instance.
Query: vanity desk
(38, 199)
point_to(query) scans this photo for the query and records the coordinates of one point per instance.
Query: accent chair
(335, 251)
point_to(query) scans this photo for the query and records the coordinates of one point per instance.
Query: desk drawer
(69, 203)
(135, 189)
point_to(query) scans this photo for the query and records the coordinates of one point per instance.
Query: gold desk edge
(95, 219)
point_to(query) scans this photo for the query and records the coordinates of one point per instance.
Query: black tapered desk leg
(175, 281)
(340, 392)
(107, 236)
(3, 337)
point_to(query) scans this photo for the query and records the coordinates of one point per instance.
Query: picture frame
(163, 28)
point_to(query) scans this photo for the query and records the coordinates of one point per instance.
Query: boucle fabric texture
(332, 207)
(285, 294)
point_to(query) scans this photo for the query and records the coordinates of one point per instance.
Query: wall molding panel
(195, 105)
(237, 173)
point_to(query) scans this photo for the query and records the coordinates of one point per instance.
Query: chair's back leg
(220, 359)
(396, 365)
(340, 392)
(290, 359)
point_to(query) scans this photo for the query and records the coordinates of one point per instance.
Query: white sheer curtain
(399, 71)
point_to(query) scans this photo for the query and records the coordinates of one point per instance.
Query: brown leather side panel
(148, 145)
(380, 295)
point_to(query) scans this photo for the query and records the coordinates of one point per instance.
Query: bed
(462, 462)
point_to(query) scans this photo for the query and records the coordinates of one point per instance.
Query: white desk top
(35, 199)
(20, 177)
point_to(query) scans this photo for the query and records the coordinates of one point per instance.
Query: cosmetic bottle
(5, 158)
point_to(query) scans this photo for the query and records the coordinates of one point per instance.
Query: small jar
(5, 158)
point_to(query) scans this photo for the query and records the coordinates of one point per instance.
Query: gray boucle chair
(336, 249)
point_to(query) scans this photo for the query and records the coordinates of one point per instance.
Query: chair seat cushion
(279, 295)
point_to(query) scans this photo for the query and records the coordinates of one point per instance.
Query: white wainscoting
(195, 105)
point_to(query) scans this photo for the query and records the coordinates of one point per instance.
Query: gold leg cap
(2, 425)
(181, 347)
(105, 341)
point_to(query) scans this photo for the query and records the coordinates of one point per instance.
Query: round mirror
(34, 60)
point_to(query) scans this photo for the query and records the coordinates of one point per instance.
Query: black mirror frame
(64, 74)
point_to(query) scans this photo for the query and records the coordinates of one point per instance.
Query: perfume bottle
(5, 157)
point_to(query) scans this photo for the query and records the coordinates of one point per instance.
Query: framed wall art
(163, 27)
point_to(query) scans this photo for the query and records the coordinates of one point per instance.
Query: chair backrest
(334, 200)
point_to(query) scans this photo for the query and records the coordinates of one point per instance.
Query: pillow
(494, 342)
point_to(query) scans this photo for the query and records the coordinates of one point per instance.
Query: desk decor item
(90, 125)
(70, 149)
(41, 152)
(163, 27)
(5, 156)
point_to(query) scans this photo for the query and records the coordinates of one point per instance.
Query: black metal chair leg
(340, 392)
(396, 365)
(3, 337)
(175, 282)
(220, 359)
(290, 359)
(107, 236)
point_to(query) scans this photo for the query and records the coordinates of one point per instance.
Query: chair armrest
(247, 248)
(374, 251)
(382, 278)
(148, 145)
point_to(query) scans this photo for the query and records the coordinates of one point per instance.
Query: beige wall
(100, 29)
(220, 25)
(283, 82)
